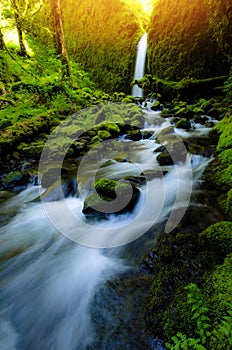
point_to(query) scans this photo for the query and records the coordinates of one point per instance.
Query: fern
(199, 314)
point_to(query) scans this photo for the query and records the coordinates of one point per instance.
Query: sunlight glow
(11, 40)
(147, 5)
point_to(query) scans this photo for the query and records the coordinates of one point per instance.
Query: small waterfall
(140, 64)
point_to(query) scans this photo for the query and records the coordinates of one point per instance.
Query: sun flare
(147, 5)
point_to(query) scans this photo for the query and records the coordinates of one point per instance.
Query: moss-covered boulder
(218, 237)
(60, 190)
(111, 197)
(175, 151)
(183, 124)
(16, 181)
(51, 175)
(134, 134)
(156, 106)
(165, 158)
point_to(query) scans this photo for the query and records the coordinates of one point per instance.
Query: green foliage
(38, 99)
(205, 334)
(218, 237)
(102, 36)
(190, 39)
(224, 127)
(228, 86)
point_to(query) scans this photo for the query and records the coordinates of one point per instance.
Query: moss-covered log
(186, 88)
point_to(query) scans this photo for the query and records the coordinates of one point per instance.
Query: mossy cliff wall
(101, 36)
(190, 39)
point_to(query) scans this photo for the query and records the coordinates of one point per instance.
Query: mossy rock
(59, 190)
(128, 99)
(104, 135)
(52, 175)
(183, 124)
(169, 131)
(165, 158)
(224, 127)
(95, 140)
(218, 237)
(134, 135)
(4, 123)
(15, 181)
(156, 106)
(106, 187)
(175, 152)
(200, 119)
(225, 204)
(184, 112)
(105, 200)
(114, 129)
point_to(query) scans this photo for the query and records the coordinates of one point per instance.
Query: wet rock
(134, 135)
(165, 158)
(111, 197)
(160, 149)
(156, 106)
(16, 181)
(51, 175)
(183, 124)
(147, 134)
(4, 195)
(118, 314)
(167, 131)
(175, 152)
(201, 119)
(60, 190)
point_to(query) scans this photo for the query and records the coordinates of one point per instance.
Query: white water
(49, 283)
(140, 65)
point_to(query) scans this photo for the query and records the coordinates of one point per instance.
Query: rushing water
(140, 64)
(50, 286)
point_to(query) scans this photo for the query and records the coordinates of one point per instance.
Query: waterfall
(140, 64)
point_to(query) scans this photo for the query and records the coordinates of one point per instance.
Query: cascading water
(54, 292)
(140, 65)
(49, 283)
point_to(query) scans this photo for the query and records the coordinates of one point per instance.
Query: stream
(57, 294)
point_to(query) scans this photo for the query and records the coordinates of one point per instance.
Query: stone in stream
(111, 197)
(59, 190)
(15, 181)
(183, 124)
(174, 152)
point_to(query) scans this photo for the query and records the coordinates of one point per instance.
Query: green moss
(104, 135)
(11, 177)
(165, 158)
(224, 127)
(108, 188)
(226, 156)
(218, 237)
(183, 124)
(190, 39)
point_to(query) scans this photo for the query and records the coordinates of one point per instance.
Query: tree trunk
(59, 38)
(2, 44)
(19, 26)
(3, 66)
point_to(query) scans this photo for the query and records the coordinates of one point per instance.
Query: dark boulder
(110, 197)
(16, 181)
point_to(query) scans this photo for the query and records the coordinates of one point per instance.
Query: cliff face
(190, 39)
(102, 36)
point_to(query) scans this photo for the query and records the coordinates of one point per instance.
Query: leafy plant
(203, 332)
